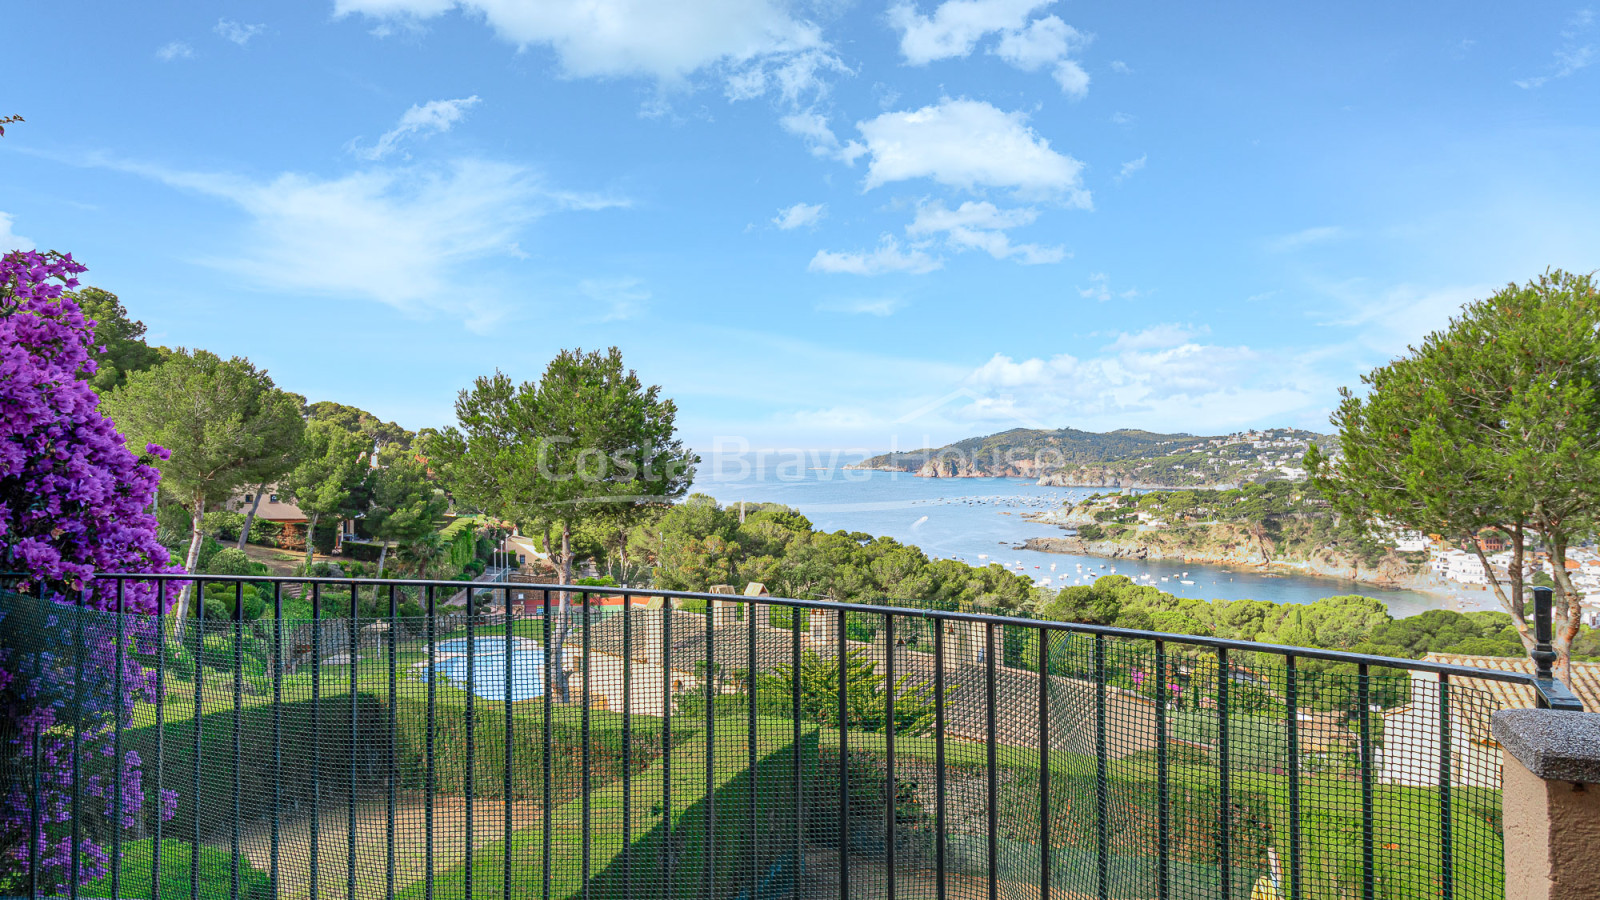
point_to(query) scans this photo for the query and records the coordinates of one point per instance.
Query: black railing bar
(1163, 799)
(506, 804)
(428, 750)
(394, 739)
(1447, 860)
(235, 835)
(161, 747)
(587, 810)
(470, 784)
(76, 866)
(708, 841)
(1044, 764)
(1368, 851)
(938, 762)
(277, 736)
(1292, 711)
(1102, 823)
(627, 752)
(891, 789)
(1109, 631)
(552, 663)
(1224, 775)
(116, 744)
(794, 719)
(843, 641)
(199, 631)
(752, 883)
(35, 812)
(354, 651)
(666, 740)
(992, 787)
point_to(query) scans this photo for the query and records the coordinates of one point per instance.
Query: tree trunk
(564, 620)
(622, 555)
(250, 517)
(197, 521)
(1513, 604)
(383, 554)
(1565, 607)
(311, 529)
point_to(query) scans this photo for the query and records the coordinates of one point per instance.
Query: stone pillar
(1551, 802)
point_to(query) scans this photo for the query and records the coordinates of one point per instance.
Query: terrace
(701, 745)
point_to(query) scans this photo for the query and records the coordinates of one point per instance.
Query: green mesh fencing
(634, 750)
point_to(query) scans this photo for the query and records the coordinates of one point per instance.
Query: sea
(983, 521)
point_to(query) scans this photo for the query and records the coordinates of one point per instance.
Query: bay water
(982, 521)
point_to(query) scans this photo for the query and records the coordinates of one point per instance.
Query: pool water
(489, 670)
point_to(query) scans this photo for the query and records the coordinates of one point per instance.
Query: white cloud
(398, 236)
(1073, 79)
(1122, 118)
(174, 50)
(970, 144)
(1038, 45)
(1100, 289)
(238, 32)
(887, 257)
(1321, 234)
(618, 298)
(1166, 334)
(982, 226)
(1389, 320)
(756, 44)
(1120, 67)
(813, 128)
(1047, 42)
(1160, 377)
(433, 117)
(800, 215)
(10, 240)
(1132, 166)
(1576, 53)
(956, 26)
(864, 306)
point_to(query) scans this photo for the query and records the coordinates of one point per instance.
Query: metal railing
(360, 740)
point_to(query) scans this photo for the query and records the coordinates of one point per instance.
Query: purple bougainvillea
(73, 501)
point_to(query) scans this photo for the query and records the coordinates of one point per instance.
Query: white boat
(1187, 582)
(983, 556)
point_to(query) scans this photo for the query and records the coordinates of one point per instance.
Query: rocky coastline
(1081, 477)
(1391, 572)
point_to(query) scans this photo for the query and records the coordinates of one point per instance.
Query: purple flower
(74, 500)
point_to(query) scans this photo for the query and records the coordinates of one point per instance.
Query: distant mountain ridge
(1127, 457)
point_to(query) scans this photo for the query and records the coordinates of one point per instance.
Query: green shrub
(216, 873)
(227, 561)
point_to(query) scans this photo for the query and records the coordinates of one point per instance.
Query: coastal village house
(1410, 754)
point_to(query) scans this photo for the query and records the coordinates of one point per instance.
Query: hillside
(1068, 457)
(1273, 525)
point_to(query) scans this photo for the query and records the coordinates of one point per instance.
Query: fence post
(1551, 797)
(1544, 654)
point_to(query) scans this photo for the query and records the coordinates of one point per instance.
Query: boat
(1186, 581)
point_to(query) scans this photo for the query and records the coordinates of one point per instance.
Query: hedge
(676, 851)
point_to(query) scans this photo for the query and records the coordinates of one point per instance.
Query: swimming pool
(489, 670)
(486, 643)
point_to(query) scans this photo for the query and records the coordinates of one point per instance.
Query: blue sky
(835, 224)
